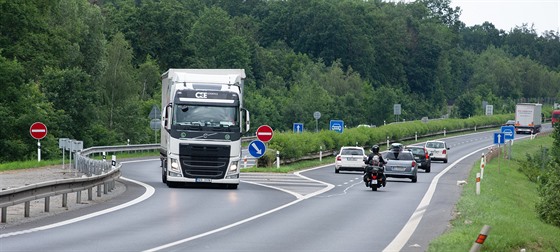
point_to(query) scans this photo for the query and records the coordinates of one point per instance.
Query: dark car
(421, 156)
(509, 123)
(400, 164)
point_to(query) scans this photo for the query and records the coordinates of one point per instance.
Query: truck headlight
(233, 167)
(174, 165)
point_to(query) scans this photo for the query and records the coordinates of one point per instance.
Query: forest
(90, 70)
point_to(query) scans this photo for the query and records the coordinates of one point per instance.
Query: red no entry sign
(38, 130)
(264, 133)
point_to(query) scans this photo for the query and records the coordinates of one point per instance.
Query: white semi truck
(528, 117)
(203, 120)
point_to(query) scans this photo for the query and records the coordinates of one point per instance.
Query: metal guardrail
(98, 173)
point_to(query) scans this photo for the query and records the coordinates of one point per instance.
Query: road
(313, 210)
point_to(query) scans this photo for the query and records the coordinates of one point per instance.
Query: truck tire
(163, 176)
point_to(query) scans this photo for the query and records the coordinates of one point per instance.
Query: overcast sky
(506, 14)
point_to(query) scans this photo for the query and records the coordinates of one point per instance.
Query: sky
(506, 14)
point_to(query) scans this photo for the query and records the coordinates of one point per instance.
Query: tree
(118, 81)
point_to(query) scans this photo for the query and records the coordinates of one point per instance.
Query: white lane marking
(147, 194)
(299, 198)
(406, 232)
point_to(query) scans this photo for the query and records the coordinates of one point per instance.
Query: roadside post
(482, 163)
(478, 183)
(277, 159)
(320, 153)
(245, 161)
(480, 239)
(416, 136)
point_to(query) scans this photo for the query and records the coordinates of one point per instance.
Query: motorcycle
(374, 177)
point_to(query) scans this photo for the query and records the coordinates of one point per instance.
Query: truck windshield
(205, 116)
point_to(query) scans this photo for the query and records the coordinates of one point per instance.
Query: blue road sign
(337, 125)
(298, 127)
(499, 138)
(257, 148)
(509, 132)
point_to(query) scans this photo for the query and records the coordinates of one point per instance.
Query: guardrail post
(65, 200)
(47, 204)
(78, 197)
(4, 217)
(90, 193)
(27, 209)
(105, 188)
(480, 239)
(98, 190)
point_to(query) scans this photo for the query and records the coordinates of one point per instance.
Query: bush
(548, 207)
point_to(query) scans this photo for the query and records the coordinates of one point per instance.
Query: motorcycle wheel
(374, 187)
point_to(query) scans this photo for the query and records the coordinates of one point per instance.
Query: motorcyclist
(375, 158)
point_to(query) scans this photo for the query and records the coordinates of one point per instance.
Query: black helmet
(375, 149)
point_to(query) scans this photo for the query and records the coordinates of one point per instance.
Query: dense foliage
(90, 69)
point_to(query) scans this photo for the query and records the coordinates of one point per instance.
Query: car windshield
(399, 156)
(417, 151)
(352, 152)
(435, 145)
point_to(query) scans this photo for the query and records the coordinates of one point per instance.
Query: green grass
(506, 203)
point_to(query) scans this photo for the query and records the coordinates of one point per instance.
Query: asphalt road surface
(312, 210)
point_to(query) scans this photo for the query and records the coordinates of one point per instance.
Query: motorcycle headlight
(174, 165)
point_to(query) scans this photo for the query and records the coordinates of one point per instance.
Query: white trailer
(203, 120)
(528, 118)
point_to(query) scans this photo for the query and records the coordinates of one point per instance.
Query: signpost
(499, 138)
(298, 127)
(337, 125)
(38, 130)
(397, 111)
(264, 133)
(316, 115)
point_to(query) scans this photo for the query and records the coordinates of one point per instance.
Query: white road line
(406, 232)
(149, 192)
(298, 196)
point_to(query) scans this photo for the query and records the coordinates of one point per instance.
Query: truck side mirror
(165, 122)
(246, 120)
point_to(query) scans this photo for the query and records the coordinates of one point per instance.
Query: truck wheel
(170, 184)
(163, 176)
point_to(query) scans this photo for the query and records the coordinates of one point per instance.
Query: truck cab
(203, 120)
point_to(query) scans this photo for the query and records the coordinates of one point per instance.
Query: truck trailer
(528, 118)
(203, 120)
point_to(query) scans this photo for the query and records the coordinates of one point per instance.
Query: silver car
(401, 164)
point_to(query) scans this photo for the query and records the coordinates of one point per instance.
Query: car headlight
(175, 165)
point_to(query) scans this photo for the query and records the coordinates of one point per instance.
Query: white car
(437, 149)
(350, 158)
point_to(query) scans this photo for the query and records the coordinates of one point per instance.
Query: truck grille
(204, 161)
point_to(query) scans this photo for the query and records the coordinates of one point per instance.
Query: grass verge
(506, 203)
